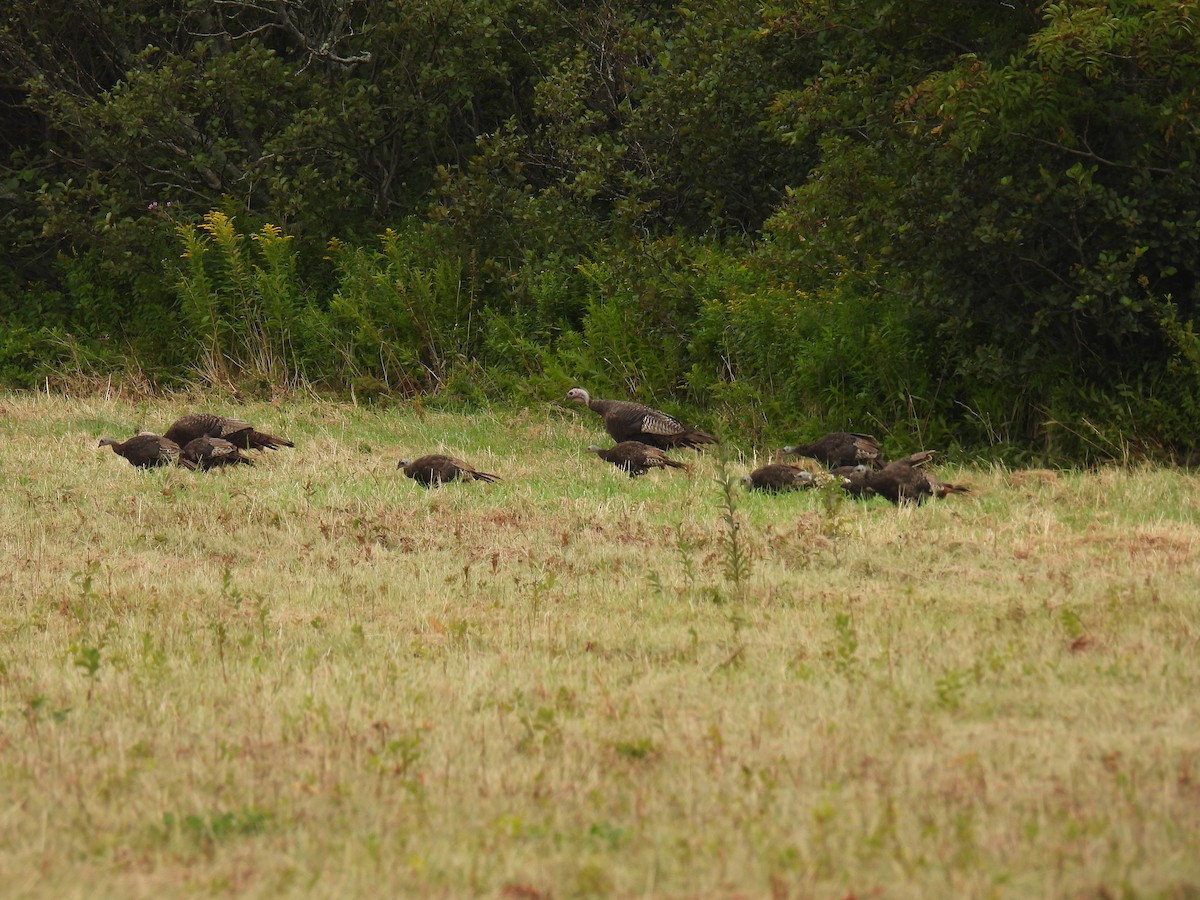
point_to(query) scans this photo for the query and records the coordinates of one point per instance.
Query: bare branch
(1088, 153)
(286, 17)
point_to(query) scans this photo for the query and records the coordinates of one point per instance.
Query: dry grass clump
(315, 676)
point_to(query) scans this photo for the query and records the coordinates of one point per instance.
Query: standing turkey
(147, 450)
(776, 477)
(841, 448)
(904, 481)
(628, 421)
(636, 458)
(241, 434)
(437, 468)
(213, 453)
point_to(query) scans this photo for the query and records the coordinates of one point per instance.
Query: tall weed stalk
(735, 563)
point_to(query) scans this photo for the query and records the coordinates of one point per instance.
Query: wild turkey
(627, 421)
(903, 481)
(636, 458)
(147, 450)
(841, 448)
(853, 479)
(212, 453)
(240, 434)
(776, 477)
(437, 468)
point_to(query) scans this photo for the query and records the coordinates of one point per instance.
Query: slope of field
(316, 677)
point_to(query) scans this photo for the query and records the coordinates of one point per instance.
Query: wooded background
(971, 226)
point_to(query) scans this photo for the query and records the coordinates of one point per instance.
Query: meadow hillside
(314, 677)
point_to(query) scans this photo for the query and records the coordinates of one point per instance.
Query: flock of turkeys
(854, 461)
(199, 441)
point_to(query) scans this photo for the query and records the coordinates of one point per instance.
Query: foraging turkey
(146, 450)
(903, 481)
(841, 448)
(437, 468)
(636, 458)
(853, 479)
(628, 421)
(212, 453)
(776, 477)
(241, 434)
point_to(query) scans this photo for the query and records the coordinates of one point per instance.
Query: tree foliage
(1035, 188)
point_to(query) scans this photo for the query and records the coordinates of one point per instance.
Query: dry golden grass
(316, 677)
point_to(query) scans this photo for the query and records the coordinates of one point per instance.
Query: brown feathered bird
(841, 448)
(776, 477)
(212, 453)
(904, 481)
(628, 421)
(147, 450)
(853, 479)
(437, 468)
(636, 458)
(241, 434)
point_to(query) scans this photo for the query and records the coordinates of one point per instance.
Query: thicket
(969, 226)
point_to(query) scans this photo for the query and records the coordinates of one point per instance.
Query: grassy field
(314, 677)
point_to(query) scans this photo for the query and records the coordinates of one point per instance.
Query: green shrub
(404, 314)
